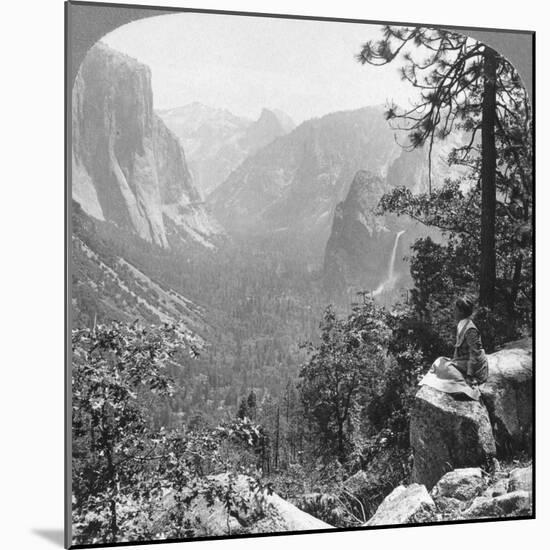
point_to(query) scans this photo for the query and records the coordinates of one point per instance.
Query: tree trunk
(112, 502)
(516, 281)
(114, 527)
(277, 441)
(341, 439)
(487, 272)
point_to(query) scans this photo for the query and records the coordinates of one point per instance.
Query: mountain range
(217, 141)
(287, 192)
(308, 194)
(288, 223)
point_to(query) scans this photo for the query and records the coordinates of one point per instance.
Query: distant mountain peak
(216, 141)
(266, 115)
(285, 121)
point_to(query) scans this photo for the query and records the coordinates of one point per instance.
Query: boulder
(508, 396)
(257, 512)
(410, 504)
(447, 433)
(524, 344)
(514, 504)
(521, 479)
(282, 516)
(461, 484)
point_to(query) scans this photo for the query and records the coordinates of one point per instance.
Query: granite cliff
(128, 168)
(360, 240)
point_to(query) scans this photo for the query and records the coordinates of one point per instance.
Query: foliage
(252, 318)
(342, 372)
(442, 271)
(447, 70)
(125, 472)
(247, 407)
(117, 369)
(485, 221)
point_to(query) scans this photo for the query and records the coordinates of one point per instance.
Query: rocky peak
(128, 168)
(358, 236)
(217, 141)
(284, 120)
(365, 192)
(268, 127)
(195, 118)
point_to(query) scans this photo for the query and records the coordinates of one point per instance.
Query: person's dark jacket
(469, 355)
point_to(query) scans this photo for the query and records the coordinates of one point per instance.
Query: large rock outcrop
(508, 395)
(367, 250)
(127, 167)
(448, 433)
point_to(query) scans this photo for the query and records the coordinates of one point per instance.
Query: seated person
(468, 368)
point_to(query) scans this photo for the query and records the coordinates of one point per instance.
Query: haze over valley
(243, 230)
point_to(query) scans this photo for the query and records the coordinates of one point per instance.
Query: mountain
(412, 168)
(286, 194)
(269, 126)
(289, 189)
(366, 250)
(359, 240)
(127, 166)
(216, 141)
(106, 285)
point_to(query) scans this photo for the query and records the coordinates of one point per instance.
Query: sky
(243, 64)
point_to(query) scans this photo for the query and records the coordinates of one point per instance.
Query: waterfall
(390, 280)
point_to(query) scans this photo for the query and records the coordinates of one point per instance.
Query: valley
(242, 232)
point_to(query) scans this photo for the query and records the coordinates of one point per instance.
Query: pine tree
(465, 85)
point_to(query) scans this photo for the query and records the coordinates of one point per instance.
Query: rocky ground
(472, 460)
(462, 494)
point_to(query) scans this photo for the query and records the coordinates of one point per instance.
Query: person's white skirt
(445, 377)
